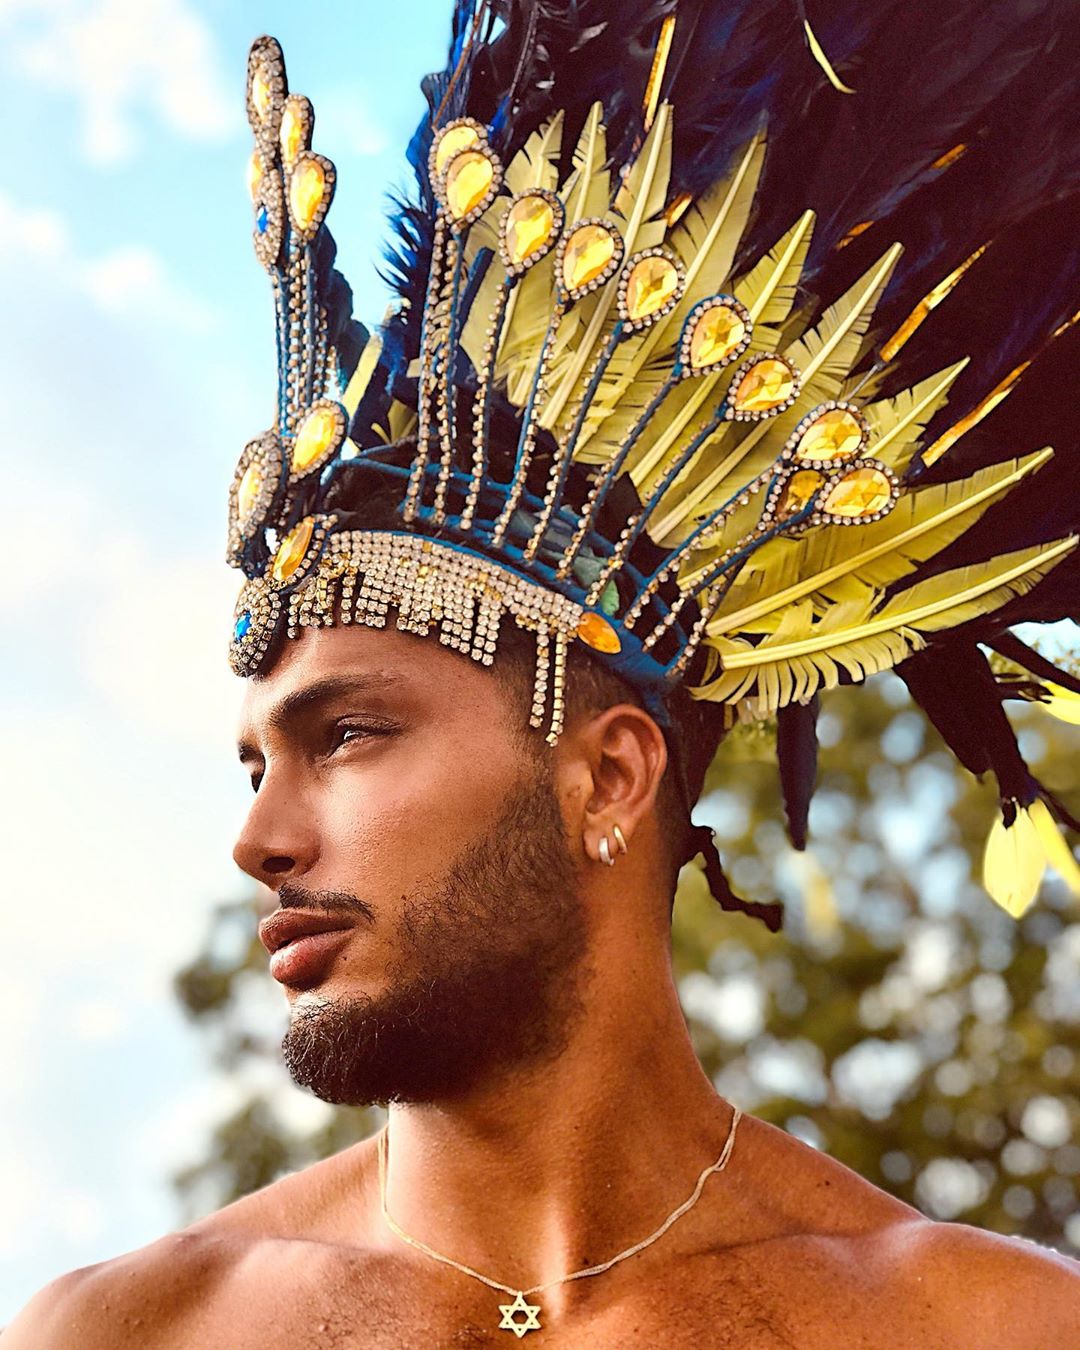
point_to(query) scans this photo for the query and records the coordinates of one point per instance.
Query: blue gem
(262, 220)
(243, 623)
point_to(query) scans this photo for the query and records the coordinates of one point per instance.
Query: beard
(489, 978)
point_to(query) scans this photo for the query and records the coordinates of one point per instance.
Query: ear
(620, 755)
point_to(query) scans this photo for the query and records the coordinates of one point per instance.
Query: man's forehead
(323, 663)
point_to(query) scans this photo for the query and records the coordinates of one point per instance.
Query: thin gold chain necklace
(532, 1310)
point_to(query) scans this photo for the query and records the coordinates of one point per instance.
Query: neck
(564, 1165)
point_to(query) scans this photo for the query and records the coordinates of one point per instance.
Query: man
(517, 994)
(474, 842)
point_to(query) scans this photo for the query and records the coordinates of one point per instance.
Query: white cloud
(120, 59)
(129, 281)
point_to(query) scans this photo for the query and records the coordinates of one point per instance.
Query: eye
(349, 733)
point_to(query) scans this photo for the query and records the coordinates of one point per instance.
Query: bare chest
(304, 1297)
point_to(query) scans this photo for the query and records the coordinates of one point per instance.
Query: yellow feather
(588, 188)
(921, 524)
(1062, 704)
(863, 639)
(1058, 853)
(823, 61)
(361, 376)
(825, 355)
(1013, 863)
(897, 423)
(536, 165)
(643, 193)
(402, 422)
(708, 235)
(769, 289)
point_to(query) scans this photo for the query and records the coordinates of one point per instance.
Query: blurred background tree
(902, 1022)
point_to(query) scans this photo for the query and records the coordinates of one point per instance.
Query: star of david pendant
(509, 1323)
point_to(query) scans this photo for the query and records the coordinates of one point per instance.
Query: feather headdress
(739, 364)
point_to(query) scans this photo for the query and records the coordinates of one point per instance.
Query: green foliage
(901, 1021)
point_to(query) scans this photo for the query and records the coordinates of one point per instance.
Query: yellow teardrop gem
(254, 174)
(453, 142)
(248, 492)
(292, 133)
(767, 384)
(467, 182)
(588, 251)
(317, 433)
(836, 434)
(306, 189)
(290, 552)
(716, 335)
(862, 492)
(260, 92)
(651, 284)
(800, 487)
(528, 227)
(597, 633)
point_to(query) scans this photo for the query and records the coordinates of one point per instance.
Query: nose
(278, 840)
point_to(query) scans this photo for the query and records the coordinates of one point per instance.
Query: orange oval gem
(589, 250)
(292, 133)
(862, 492)
(765, 386)
(836, 434)
(247, 494)
(716, 336)
(307, 187)
(468, 181)
(318, 432)
(798, 490)
(596, 632)
(528, 228)
(452, 143)
(254, 174)
(292, 549)
(260, 92)
(651, 284)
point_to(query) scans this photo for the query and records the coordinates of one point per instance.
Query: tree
(901, 1021)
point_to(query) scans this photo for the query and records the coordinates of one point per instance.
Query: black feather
(797, 753)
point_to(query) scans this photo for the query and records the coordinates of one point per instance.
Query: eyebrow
(301, 701)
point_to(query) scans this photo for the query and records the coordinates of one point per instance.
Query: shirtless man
(474, 844)
(516, 995)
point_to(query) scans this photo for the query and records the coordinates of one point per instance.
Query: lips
(286, 925)
(303, 946)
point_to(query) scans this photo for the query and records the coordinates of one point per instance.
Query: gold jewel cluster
(591, 309)
(362, 575)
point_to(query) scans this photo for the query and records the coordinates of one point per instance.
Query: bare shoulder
(163, 1293)
(855, 1256)
(799, 1191)
(130, 1301)
(991, 1290)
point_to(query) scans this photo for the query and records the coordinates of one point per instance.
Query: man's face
(395, 794)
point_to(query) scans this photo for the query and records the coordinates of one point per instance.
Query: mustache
(337, 904)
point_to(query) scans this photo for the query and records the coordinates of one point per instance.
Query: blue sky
(137, 360)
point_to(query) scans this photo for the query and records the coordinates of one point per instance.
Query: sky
(137, 359)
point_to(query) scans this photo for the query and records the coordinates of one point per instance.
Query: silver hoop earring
(620, 839)
(605, 852)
